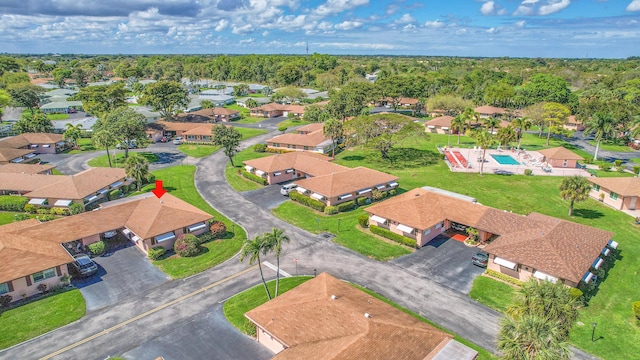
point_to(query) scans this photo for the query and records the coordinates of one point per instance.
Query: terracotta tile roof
(25, 168)
(77, 186)
(560, 153)
(312, 325)
(625, 186)
(312, 139)
(440, 121)
(308, 162)
(489, 110)
(536, 240)
(26, 182)
(504, 123)
(8, 154)
(27, 139)
(298, 109)
(202, 130)
(311, 127)
(345, 182)
(176, 126)
(34, 246)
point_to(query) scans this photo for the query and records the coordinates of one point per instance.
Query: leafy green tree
(105, 139)
(72, 133)
(458, 123)
(273, 242)
(102, 99)
(14, 78)
(491, 123)
(25, 95)
(499, 94)
(554, 114)
(252, 248)
(241, 89)
(602, 125)
(207, 104)
(531, 337)
(316, 113)
(334, 130)
(383, 131)
(574, 189)
(547, 88)
(37, 122)
(521, 125)
(136, 166)
(167, 97)
(227, 137)
(126, 125)
(469, 115)
(60, 75)
(291, 94)
(251, 103)
(452, 105)
(506, 135)
(5, 100)
(350, 99)
(535, 114)
(485, 140)
(80, 77)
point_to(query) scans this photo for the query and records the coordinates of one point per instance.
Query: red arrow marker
(159, 191)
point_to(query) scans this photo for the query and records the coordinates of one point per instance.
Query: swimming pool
(505, 160)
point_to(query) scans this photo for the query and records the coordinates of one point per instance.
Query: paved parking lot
(121, 274)
(444, 260)
(268, 197)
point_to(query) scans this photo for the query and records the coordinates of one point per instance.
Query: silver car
(83, 266)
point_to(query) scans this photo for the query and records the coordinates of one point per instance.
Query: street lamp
(593, 332)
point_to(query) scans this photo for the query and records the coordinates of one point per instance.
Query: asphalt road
(268, 197)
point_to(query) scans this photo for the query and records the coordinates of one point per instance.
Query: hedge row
(254, 177)
(305, 200)
(393, 236)
(503, 277)
(12, 203)
(346, 206)
(277, 151)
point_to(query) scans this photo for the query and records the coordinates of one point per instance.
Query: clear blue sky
(528, 28)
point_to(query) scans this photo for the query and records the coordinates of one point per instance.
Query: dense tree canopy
(167, 97)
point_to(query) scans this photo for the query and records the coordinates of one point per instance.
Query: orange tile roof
(536, 240)
(440, 121)
(560, 153)
(8, 154)
(311, 127)
(202, 130)
(312, 139)
(312, 325)
(25, 168)
(308, 162)
(76, 186)
(489, 110)
(26, 139)
(345, 182)
(625, 186)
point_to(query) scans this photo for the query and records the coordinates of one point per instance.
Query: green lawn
(55, 171)
(178, 180)
(249, 132)
(55, 117)
(235, 307)
(343, 225)
(102, 161)
(610, 146)
(636, 160)
(250, 120)
(493, 293)
(198, 151)
(244, 112)
(84, 145)
(292, 122)
(34, 319)
(7, 217)
(237, 181)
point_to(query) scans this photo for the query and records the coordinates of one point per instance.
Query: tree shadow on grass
(403, 158)
(353, 158)
(588, 213)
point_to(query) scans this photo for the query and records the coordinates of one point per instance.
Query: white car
(177, 141)
(286, 189)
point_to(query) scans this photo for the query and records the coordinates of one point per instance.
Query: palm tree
(485, 140)
(72, 134)
(602, 125)
(252, 250)
(468, 115)
(273, 242)
(334, 130)
(458, 123)
(506, 135)
(104, 138)
(531, 336)
(251, 103)
(575, 189)
(521, 125)
(491, 123)
(136, 166)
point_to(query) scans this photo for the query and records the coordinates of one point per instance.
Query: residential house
(190, 132)
(307, 138)
(8, 155)
(209, 115)
(38, 143)
(573, 124)
(520, 246)
(259, 100)
(560, 157)
(274, 110)
(61, 107)
(292, 165)
(14, 168)
(440, 125)
(326, 318)
(87, 187)
(32, 253)
(620, 193)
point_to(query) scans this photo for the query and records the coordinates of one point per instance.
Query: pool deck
(527, 160)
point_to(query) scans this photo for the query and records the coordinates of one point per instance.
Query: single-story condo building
(39, 143)
(326, 318)
(292, 165)
(14, 156)
(620, 193)
(34, 253)
(14, 168)
(560, 157)
(274, 110)
(209, 115)
(440, 125)
(190, 132)
(522, 247)
(61, 107)
(307, 138)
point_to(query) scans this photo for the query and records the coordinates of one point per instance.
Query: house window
(427, 232)
(438, 225)
(43, 275)
(306, 148)
(4, 288)
(613, 195)
(596, 187)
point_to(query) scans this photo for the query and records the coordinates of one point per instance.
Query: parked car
(286, 189)
(83, 266)
(480, 259)
(177, 141)
(131, 144)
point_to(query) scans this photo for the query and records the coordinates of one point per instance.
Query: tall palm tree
(252, 249)
(334, 130)
(521, 124)
(531, 336)
(72, 133)
(491, 123)
(104, 138)
(136, 166)
(273, 242)
(575, 189)
(469, 115)
(485, 140)
(602, 125)
(458, 123)
(506, 135)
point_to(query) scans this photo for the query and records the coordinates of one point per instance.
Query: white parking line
(274, 268)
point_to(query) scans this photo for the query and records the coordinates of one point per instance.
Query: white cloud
(525, 8)
(405, 19)
(488, 8)
(349, 25)
(492, 30)
(337, 6)
(434, 24)
(409, 28)
(222, 24)
(265, 33)
(362, 46)
(553, 6)
(520, 23)
(325, 26)
(245, 29)
(634, 5)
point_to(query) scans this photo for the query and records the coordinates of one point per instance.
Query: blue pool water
(505, 160)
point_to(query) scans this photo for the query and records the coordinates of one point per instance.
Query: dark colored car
(480, 259)
(83, 266)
